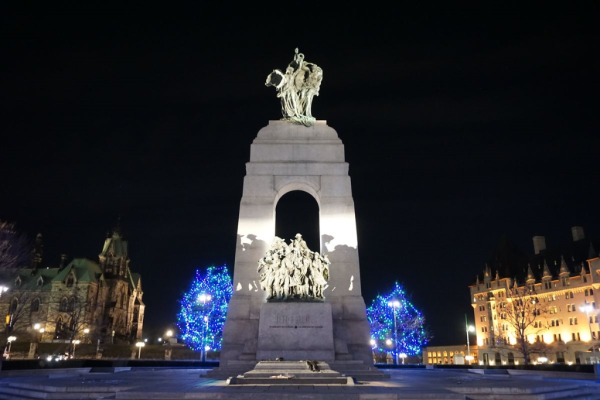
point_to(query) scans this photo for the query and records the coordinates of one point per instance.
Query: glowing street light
(589, 309)
(395, 305)
(169, 333)
(10, 340)
(204, 297)
(139, 345)
(468, 328)
(403, 356)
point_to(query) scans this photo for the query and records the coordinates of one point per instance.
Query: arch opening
(298, 212)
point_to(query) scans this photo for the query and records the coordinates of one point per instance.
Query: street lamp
(169, 333)
(588, 309)
(10, 340)
(204, 298)
(204, 346)
(38, 327)
(403, 356)
(86, 331)
(75, 343)
(395, 305)
(468, 328)
(139, 345)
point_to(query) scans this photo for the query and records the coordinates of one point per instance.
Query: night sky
(460, 126)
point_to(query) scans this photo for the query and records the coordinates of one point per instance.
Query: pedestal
(295, 331)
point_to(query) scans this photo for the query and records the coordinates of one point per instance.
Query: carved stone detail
(293, 271)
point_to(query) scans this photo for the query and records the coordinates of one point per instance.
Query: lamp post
(395, 305)
(468, 328)
(588, 309)
(139, 345)
(10, 340)
(75, 343)
(86, 332)
(204, 298)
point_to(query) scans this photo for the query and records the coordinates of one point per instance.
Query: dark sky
(459, 126)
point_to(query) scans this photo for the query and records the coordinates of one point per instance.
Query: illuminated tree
(204, 309)
(397, 327)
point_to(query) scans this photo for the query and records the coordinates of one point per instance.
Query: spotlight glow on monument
(310, 306)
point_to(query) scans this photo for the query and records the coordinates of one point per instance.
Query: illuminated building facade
(449, 354)
(561, 287)
(81, 299)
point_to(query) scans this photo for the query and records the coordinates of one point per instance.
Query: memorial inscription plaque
(295, 331)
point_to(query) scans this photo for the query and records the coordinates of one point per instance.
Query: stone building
(81, 299)
(562, 286)
(454, 354)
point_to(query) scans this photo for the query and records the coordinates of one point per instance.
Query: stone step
(299, 381)
(513, 393)
(295, 394)
(17, 393)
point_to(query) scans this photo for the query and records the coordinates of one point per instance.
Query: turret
(564, 270)
(37, 254)
(530, 277)
(546, 273)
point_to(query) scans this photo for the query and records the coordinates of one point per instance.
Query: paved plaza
(163, 383)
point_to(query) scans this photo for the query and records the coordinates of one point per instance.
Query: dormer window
(18, 281)
(40, 281)
(70, 281)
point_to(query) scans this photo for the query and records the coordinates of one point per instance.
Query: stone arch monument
(286, 157)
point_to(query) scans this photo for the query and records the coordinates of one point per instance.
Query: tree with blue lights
(204, 309)
(397, 327)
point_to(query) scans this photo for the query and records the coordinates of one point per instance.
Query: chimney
(578, 234)
(539, 244)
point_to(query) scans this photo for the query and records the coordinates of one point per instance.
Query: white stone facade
(286, 157)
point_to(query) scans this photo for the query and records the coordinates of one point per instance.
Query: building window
(547, 285)
(569, 295)
(576, 337)
(35, 305)
(484, 329)
(483, 318)
(481, 308)
(64, 304)
(557, 337)
(13, 306)
(71, 306)
(570, 307)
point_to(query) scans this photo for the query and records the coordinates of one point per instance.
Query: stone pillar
(168, 353)
(285, 157)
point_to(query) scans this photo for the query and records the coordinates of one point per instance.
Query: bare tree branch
(15, 249)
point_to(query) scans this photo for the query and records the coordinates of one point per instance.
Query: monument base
(295, 331)
(291, 373)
